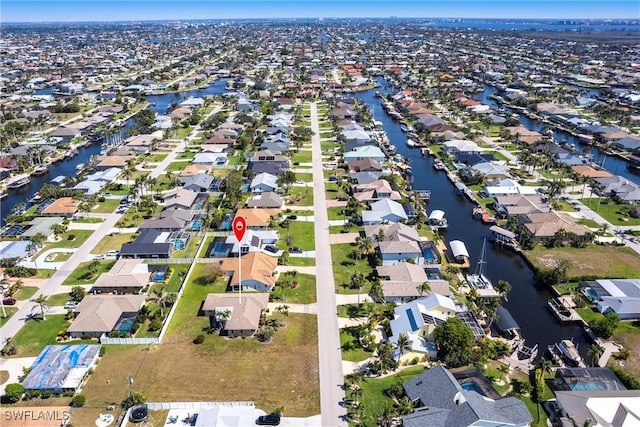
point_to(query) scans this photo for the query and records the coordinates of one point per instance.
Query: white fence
(107, 340)
(193, 405)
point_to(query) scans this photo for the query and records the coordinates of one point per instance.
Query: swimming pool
(126, 325)
(433, 274)
(472, 386)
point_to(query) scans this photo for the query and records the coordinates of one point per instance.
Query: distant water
(562, 25)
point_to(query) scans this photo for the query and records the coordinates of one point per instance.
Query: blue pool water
(126, 325)
(428, 254)
(472, 386)
(195, 225)
(158, 277)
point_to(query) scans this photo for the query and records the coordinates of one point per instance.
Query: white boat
(479, 280)
(80, 167)
(411, 142)
(437, 163)
(569, 351)
(437, 221)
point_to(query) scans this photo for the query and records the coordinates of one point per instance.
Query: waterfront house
(106, 162)
(235, 316)
(394, 251)
(520, 204)
(100, 314)
(15, 249)
(607, 407)
(620, 188)
(89, 187)
(591, 378)
(258, 272)
(106, 175)
(508, 187)
(41, 225)
(460, 146)
(619, 296)
(380, 189)
(66, 134)
(365, 152)
(64, 206)
(127, 276)
(417, 320)
(364, 165)
(384, 211)
(490, 171)
(544, 225)
(441, 401)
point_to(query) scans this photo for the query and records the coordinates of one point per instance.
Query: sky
(136, 10)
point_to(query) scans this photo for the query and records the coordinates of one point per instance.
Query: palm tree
(357, 281)
(502, 370)
(403, 345)
(503, 287)
(222, 316)
(161, 297)
(283, 310)
(594, 353)
(424, 287)
(42, 304)
(36, 243)
(364, 247)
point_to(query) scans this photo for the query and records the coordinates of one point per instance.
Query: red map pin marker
(239, 227)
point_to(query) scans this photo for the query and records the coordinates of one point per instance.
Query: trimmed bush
(78, 401)
(13, 392)
(199, 339)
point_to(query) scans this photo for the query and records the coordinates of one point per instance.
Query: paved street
(332, 395)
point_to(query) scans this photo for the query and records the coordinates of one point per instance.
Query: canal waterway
(613, 164)
(67, 167)
(526, 301)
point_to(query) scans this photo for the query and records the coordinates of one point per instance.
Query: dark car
(9, 301)
(295, 250)
(268, 420)
(292, 217)
(271, 248)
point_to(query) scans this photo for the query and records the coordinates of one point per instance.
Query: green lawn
(157, 157)
(303, 156)
(332, 191)
(594, 260)
(190, 250)
(44, 273)
(88, 220)
(10, 312)
(302, 234)
(336, 213)
(304, 293)
(301, 196)
(373, 392)
(79, 238)
(58, 299)
(611, 211)
(36, 334)
(177, 166)
(306, 177)
(301, 262)
(183, 132)
(133, 218)
(562, 205)
(108, 206)
(77, 277)
(187, 155)
(25, 293)
(351, 348)
(112, 242)
(174, 280)
(163, 183)
(344, 266)
(588, 222)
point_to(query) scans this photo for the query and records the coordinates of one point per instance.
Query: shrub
(199, 339)
(78, 401)
(71, 237)
(46, 394)
(32, 394)
(627, 379)
(13, 392)
(103, 349)
(155, 325)
(101, 199)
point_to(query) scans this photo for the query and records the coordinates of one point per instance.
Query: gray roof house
(263, 182)
(442, 402)
(383, 211)
(200, 182)
(150, 243)
(180, 198)
(620, 296)
(101, 314)
(171, 220)
(267, 199)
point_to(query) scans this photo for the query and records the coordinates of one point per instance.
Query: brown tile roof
(257, 217)
(245, 311)
(100, 313)
(255, 265)
(63, 205)
(588, 171)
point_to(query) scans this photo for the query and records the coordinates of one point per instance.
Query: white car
(71, 305)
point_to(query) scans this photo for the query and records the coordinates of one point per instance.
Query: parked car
(9, 301)
(270, 248)
(99, 257)
(113, 253)
(71, 305)
(268, 420)
(292, 217)
(295, 250)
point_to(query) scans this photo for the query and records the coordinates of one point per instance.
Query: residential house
(106, 162)
(364, 165)
(258, 219)
(365, 152)
(195, 169)
(264, 182)
(460, 146)
(252, 241)
(619, 296)
(266, 200)
(377, 190)
(150, 243)
(179, 198)
(105, 175)
(393, 251)
(620, 188)
(235, 316)
(598, 408)
(66, 134)
(417, 320)
(127, 276)
(520, 205)
(100, 314)
(544, 225)
(199, 183)
(268, 161)
(258, 272)
(490, 170)
(212, 159)
(508, 187)
(15, 249)
(89, 187)
(364, 177)
(441, 401)
(401, 282)
(64, 206)
(170, 220)
(42, 225)
(384, 211)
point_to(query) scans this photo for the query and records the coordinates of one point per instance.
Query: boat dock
(562, 309)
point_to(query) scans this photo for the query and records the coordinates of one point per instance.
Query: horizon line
(322, 18)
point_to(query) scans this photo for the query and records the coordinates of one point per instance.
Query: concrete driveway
(14, 367)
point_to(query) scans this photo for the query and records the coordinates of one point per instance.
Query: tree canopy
(455, 342)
